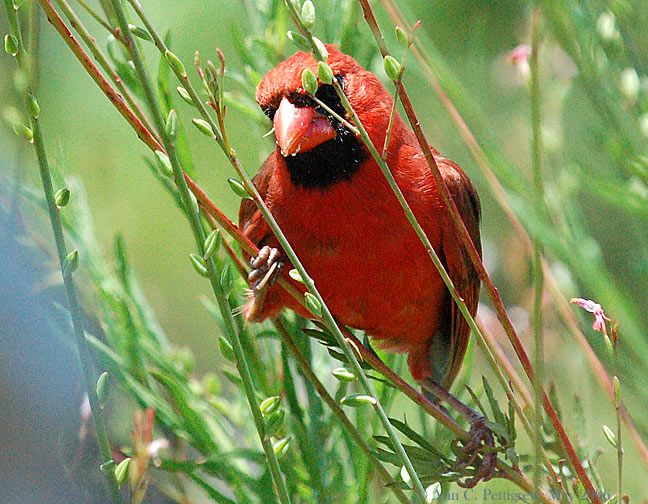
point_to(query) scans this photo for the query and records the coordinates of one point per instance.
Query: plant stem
(617, 404)
(421, 53)
(538, 279)
(232, 330)
(221, 138)
(464, 236)
(345, 423)
(85, 358)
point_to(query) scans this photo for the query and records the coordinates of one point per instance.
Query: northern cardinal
(339, 214)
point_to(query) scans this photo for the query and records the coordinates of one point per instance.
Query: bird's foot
(481, 444)
(266, 268)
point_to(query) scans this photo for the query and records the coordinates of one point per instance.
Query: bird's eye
(269, 110)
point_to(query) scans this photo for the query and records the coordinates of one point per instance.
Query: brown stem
(464, 236)
(500, 195)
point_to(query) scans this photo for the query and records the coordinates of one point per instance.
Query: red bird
(341, 217)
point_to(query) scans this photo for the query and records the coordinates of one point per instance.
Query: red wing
(251, 220)
(460, 267)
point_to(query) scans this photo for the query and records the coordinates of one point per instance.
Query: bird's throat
(330, 162)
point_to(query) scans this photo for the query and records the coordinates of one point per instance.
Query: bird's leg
(479, 433)
(266, 267)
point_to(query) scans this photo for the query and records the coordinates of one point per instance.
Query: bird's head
(319, 149)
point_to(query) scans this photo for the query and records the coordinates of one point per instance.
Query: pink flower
(519, 55)
(595, 308)
(519, 58)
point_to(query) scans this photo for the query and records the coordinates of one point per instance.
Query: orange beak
(299, 129)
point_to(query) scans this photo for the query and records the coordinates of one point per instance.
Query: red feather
(354, 240)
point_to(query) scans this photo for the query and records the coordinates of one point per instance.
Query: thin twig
(538, 278)
(85, 357)
(421, 54)
(496, 299)
(221, 295)
(345, 423)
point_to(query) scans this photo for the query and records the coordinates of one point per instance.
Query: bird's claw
(266, 267)
(480, 436)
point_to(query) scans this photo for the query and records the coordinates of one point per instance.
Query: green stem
(221, 138)
(345, 423)
(617, 404)
(466, 240)
(85, 357)
(538, 278)
(194, 220)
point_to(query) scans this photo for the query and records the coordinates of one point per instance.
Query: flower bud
(34, 108)
(212, 243)
(238, 188)
(199, 265)
(299, 40)
(204, 127)
(313, 304)
(269, 405)
(140, 33)
(62, 197)
(309, 82)
(392, 67)
(121, 471)
(308, 14)
(184, 94)
(343, 375)
(281, 447)
(175, 64)
(226, 349)
(11, 44)
(172, 125)
(164, 163)
(103, 388)
(71, 263)
(355, 400)
(325, 73)
(610, 436)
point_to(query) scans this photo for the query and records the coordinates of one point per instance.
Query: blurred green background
(595, 227)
